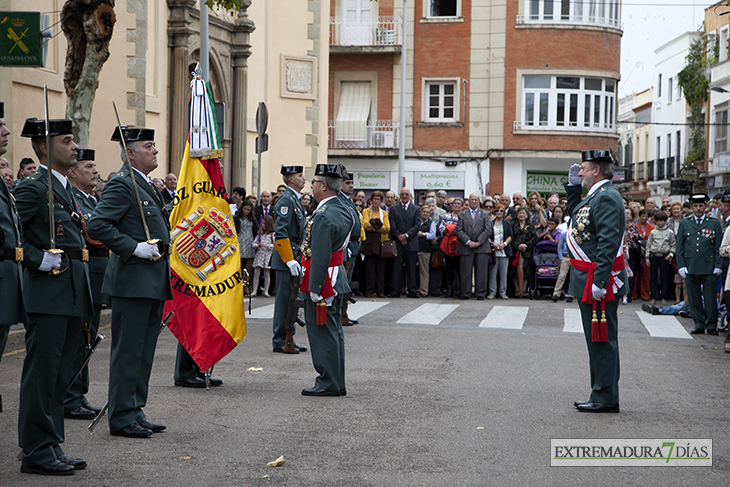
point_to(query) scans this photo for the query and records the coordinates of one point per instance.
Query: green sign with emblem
(545, 182)
(20, 39)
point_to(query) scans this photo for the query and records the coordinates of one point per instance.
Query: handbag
(388, 250)
(437, 260)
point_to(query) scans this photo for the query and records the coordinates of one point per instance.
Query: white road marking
(510, 317)
(361, 308)
(663, 326)
(428, 314)
(572, 321)
(262, 313)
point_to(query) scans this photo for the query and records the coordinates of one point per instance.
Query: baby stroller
(545, 262)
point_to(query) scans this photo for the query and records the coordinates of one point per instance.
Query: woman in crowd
(376, 224)
(488, 206)
(451, 274)
(680, 288)
(639, 233)
(537, 212)
(635, 208)
(426, 237)
(247, 229)
(501, 252)
(307, 204)
(523, 240)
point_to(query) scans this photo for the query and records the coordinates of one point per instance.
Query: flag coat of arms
(206, 277)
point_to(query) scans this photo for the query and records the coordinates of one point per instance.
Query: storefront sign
(20, 39)
(680, 186)
(689, 173)
(545, 182)
(438, 180)
(371, 180)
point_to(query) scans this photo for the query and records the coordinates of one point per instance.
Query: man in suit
(83, 178)
(595, 243)
(699, 263)
(405, 218)
(168, 194)
(11, 255)
(473, 231)
(57, 298)
(323, 253)
(353, 246)
(137, 278)
(263, 209)
(288, 227)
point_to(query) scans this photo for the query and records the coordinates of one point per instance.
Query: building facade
(501, 96)
(717, 175)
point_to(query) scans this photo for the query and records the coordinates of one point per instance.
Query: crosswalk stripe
(663, 326)
(262, 313)
(572, 321)
(428, 314)
(510, 317)
(361, 308)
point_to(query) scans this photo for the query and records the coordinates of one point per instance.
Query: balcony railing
(660, 170)
(603, 13)
(630, 171)
(382, 134)
(671, 167)
(381, 32)
(650, 170)
(640, 171)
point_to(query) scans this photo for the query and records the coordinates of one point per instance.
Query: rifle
(106, 406)
(292, 314)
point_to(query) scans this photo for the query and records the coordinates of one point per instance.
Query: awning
(351, 123)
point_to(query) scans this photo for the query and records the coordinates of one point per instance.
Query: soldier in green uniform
(595, 242)
(137, 279)
(11, 255)
(353, 247)
(83, 178)
(57, 298)
(699, 263)
(289, 221)
(324, 281)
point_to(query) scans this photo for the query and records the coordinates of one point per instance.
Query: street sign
(20, 39)
(262, 118)
(689, 173)
(264, 143)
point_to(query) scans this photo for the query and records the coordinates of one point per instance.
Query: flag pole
(204, 57)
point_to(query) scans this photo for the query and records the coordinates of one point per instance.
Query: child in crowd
(658, 254)
(264, 245)
(551, 232)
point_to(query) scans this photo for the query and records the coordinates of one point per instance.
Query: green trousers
(51, 345)
(699, 287)
(185, 366)
(327, 345)
(282, 288)
(135, 328)
(75, 395)
(603, 356)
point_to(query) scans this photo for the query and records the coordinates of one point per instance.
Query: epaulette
(34, 176)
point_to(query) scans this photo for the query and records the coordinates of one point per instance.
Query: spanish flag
(206, 276)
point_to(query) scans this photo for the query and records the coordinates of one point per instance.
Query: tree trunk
(88, 26)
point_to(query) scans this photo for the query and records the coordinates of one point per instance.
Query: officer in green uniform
(595, 241)
(353, 246)
(324, 281)
(699, 262)
(57, 298)
(83, 178)
(289, 221)
(11, 255)
(137, 279)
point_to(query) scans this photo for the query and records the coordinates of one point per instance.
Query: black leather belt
(95, 252)
(77, 254)
(14, 254)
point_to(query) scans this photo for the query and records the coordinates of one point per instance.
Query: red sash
(327, 290)
(599, 333)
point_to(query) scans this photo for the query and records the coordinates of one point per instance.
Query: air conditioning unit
(382, 139)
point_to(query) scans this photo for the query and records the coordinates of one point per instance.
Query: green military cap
(133, 135)
(85, 155)
(332, 170)
(291, 169)
(37, 128)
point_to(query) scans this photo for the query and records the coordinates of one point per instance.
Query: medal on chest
(581, 223)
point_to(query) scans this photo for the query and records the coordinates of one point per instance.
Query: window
(353, 114)
(670, 89)
(721, 131)
(440, 101)
(679, 145)
(592, 12)
(669, 145)
(723, 45)
(659, 87)
(443, 8)
(568, 103)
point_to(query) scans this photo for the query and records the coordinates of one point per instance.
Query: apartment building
(717, 175)
(501, 96)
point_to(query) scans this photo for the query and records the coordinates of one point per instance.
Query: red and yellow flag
(206, 277)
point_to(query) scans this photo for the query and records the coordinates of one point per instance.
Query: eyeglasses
(499, 211)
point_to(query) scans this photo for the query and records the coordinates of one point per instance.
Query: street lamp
(719, 89)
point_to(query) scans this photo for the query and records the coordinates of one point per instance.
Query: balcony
(660, 165)
(382, 134)
(605, 13)
(381, 35)
(672, 167)
(519, 126)
(650, 171)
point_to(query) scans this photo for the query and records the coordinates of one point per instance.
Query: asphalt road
(442, 404)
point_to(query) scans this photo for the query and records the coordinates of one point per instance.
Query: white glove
(316, 298)
(597, 292)
(717, 271)
(573, 178)
(294, 267)
(146, 250)
(50, 261)
(683, 272)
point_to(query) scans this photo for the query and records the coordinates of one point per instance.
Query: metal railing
(671, 167)
(640, 171)
(660, 170)
(381, 32)
(650, 170)
(630, 170)
(382, 134)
